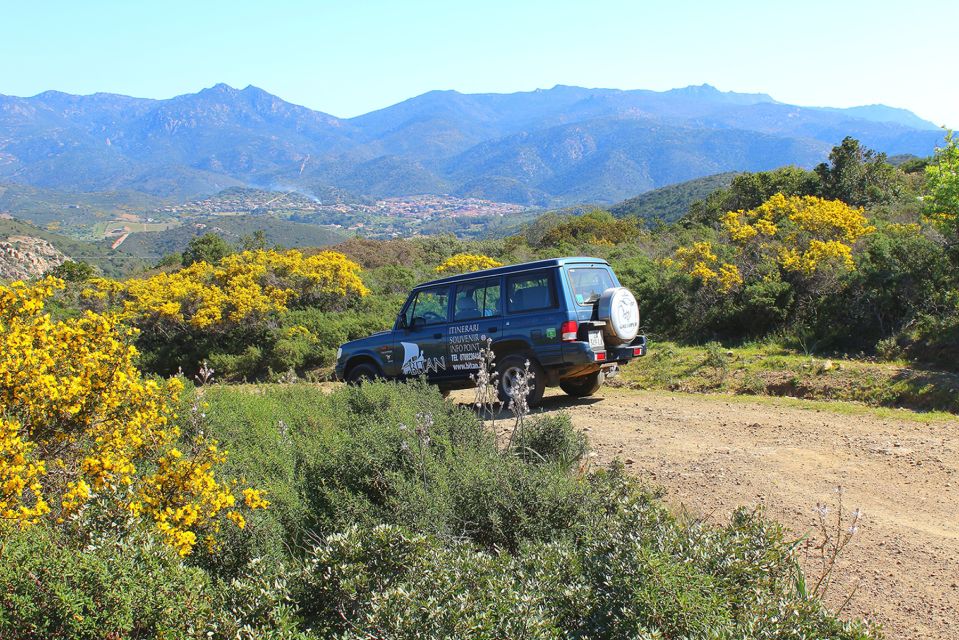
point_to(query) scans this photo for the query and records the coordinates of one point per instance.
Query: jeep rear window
(589, 283)
(530, 292)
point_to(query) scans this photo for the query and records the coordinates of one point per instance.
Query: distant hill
(672, 202)
(545, 147)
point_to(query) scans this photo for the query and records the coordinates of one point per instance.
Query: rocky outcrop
(24, 257)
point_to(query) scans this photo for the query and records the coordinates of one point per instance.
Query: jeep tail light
(569, 330)
(637, 351)
(600, 356)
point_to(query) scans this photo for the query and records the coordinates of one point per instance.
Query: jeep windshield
(589, 283)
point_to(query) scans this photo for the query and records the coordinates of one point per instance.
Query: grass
(769, 369)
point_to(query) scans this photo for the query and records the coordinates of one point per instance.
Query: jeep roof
(513, 268)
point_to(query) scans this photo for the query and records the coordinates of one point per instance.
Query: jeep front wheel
(583, 386)
(512, 370)
(362, 372)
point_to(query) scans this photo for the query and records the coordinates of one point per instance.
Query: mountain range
(545, 147)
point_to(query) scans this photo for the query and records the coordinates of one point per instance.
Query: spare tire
(618, 309)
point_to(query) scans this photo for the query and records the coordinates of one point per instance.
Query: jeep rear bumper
(579, 359)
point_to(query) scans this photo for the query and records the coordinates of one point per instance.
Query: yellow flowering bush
(80, 424)
(803, 232)
(798, 234)
(700, 262)
(241, 288)
(466, 262)
(21, 495)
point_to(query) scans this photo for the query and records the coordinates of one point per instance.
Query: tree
(593, 227)
(72, 271)
(255, 241)
(857, 175)
(941, 202)
(209, 248)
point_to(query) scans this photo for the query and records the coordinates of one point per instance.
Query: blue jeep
(569, 317)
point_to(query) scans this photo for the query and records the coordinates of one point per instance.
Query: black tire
(583, 386)
(360, 372)
(507, 368)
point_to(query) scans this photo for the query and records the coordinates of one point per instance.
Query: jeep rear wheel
(512, 369)
(362, 372)
(584, 385)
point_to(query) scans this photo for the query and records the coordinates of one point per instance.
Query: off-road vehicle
(569, 317)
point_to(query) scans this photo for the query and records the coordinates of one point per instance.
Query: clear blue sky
(347, 58)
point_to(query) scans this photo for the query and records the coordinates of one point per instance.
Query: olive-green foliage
(550, 439)
(210, 247)
(634, 572)
(858, 176)
(562, 234)
(124, 588)
(358, 458)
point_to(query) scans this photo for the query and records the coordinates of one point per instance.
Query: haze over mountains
(546, 147)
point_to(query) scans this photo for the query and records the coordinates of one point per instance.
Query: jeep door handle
(492, 329)
(437, 336)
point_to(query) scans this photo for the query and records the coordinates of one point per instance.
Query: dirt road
(714, 453)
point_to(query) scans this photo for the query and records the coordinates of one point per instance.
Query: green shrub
(550, 439)
(390, 453)
(633, 572)
(132, 588)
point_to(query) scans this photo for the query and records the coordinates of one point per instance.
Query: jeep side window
(530, 292)
(589, 283)
(478, 299)
(430, 306)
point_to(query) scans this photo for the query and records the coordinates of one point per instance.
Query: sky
(348, 58)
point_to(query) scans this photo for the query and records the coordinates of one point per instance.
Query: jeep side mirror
(401, 321)
(418, 323)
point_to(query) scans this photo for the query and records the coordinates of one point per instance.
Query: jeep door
(477, 316)
(421, 343)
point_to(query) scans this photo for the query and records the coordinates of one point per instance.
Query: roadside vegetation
(393, 513)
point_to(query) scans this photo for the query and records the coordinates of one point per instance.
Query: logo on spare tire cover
(626, 313)
(618, 308)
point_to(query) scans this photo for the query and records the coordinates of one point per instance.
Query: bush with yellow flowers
(466, 262)
(241, 288)
(81, 428)
(236, 313)
(799, 235)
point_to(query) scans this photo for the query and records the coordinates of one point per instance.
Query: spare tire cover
(618, 308)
